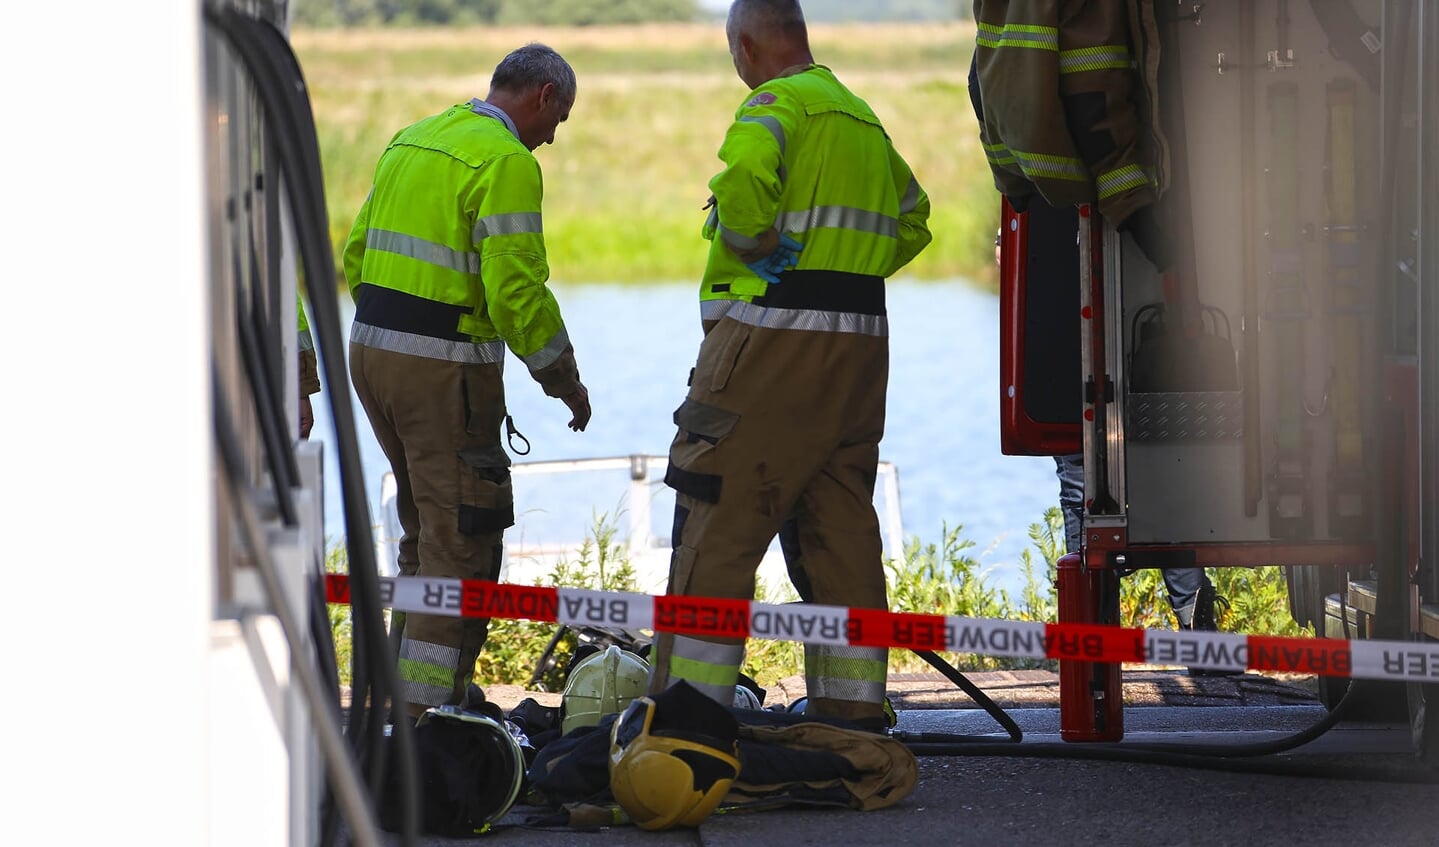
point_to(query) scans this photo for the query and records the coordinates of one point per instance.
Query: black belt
(387, 308)
(826, 291)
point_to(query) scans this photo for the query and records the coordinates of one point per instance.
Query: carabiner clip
(510, 433)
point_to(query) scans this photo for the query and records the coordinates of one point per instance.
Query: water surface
(636, 344)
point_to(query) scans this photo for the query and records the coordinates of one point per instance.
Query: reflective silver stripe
(708, 652)
(429, 653)
(1103, 57)
(998, 154)
(306, 341)
(1121, 179)
(549, 353)
(735, 239)
(1049, 166)
(395, 341)
(857, 674)
(713, 310)
(1018, 35)
(770, 124)
(812, 320)
(839, 217)
(427, 671)
(422, 250)
(510, 223)
(711, 668)
(910, 200)
(422, 694)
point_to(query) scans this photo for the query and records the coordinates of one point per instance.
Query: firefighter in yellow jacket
(813, 210)
(1061, 90)
(446, 263)
(309, 369)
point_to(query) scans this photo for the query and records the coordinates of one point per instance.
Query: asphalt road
(1357, 784)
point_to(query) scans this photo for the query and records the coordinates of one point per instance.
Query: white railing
(556, 511)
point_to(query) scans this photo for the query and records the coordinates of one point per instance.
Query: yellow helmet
(664, 777)
(603, 683)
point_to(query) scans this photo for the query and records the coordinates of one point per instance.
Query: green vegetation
(827, 11)
(514, 647)
(932, 578)
(628, 174)
(343, 13)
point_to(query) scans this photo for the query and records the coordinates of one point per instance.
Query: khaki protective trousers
(778, 423)
(439, 425)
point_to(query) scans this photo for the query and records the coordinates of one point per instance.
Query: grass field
(628, 173)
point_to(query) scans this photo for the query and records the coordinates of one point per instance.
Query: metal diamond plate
(1186, 416)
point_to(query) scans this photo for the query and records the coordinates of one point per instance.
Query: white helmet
(603, 683)
(744, 698)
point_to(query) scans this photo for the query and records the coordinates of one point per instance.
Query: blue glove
(784, 257)
(761, 268)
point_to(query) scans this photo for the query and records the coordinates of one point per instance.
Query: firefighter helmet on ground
(673, 758)
(476, 760)
(603, 683)
(744, 698)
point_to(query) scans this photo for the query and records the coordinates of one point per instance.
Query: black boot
(1206, 619)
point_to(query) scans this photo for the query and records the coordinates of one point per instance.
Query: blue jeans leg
(1183, 586)
(1070, 470)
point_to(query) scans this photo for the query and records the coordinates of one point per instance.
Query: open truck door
(1269, 399)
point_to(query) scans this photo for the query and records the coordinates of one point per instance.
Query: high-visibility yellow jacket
(808, 157)
(447, 255)
(1059, 85)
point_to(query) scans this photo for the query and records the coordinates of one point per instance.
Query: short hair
(533, 65)
(754, 16)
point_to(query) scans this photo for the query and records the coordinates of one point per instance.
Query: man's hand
(786, 255)
(775, 254)
(768, 241)
(307, 416)
(578, 402)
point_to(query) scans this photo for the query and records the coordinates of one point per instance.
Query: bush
(515, 648)
(342, 625)
(930, 577)
(947, 578)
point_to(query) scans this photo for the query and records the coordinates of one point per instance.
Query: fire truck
(1270, 399)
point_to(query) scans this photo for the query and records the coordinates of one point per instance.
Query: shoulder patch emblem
(764, 98)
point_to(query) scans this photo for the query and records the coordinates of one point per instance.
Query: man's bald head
(766, 37)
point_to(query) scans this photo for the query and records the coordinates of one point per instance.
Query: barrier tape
(1413, 661)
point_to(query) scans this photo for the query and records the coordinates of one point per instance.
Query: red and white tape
(1412, 661)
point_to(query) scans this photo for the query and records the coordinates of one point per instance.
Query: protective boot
(1204, 618)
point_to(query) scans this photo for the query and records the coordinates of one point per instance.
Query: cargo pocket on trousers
(682, 565)
(692, 460)
(487, 500)
(717, 361)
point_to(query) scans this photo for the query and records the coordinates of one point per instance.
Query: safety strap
(1346, 307)
(1286, 310)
